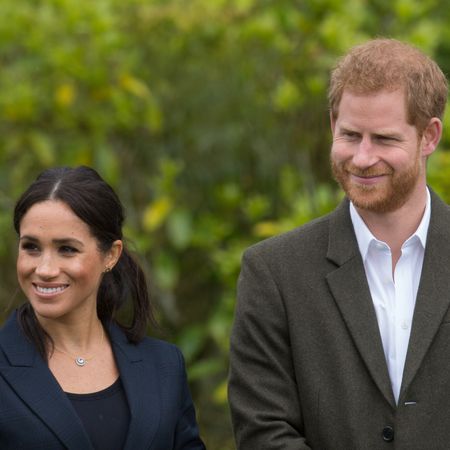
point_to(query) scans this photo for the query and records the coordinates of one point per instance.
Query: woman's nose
(47, 266)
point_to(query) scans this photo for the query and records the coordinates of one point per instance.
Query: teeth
(52, 290)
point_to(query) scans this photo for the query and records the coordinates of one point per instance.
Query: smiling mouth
(373, 175)
(50, 290)
(368, 178)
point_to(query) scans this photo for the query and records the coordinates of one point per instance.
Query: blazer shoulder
(156, 345)
(154, 353)
(162, 352)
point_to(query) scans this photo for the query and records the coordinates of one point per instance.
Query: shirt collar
(364, 236)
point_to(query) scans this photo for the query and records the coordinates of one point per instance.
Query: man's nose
(365, 155)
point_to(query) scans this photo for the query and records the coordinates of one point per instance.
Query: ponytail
(125, 283)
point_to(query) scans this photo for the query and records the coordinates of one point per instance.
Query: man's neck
(395, 227)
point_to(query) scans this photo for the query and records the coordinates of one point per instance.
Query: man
(341, 337)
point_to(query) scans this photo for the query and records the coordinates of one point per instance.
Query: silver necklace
(80, 361)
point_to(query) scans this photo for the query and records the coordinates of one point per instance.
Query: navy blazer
(35, 413)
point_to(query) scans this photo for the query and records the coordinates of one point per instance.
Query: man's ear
(332, 123)
(431, 136)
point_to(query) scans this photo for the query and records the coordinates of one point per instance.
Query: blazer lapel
(433, 297)
(140, 381)
(29, 376)
(351, 292)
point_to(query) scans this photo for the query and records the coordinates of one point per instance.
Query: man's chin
(369, 198)
(378, 205)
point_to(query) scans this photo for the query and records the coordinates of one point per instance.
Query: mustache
(369, 172)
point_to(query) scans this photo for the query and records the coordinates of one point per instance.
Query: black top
(105, 416)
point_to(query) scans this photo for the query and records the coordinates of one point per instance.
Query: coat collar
(140, 379)
(433, 296)
(29, 376)
(351, 292)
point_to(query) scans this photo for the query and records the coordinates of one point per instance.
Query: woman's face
(59, 265)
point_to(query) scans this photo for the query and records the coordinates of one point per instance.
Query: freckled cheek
(24, 266)
(85, 272)
(24, 272)
(340, 152)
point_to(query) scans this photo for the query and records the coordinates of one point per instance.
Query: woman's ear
(113, 255)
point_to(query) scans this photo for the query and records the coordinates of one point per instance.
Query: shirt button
(388, 433)
(405, 325)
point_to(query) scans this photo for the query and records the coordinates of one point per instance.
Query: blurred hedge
(209, 117)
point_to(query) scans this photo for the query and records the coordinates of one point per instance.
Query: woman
(71, 375)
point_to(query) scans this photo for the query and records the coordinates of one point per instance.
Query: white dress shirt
(393, 295)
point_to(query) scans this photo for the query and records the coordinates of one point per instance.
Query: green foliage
(209, 117)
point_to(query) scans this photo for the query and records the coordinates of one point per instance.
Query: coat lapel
(350, 290)
(140, 380)
(433, 297)
(29, 376)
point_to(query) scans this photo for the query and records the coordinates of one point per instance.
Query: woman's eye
(68, 250)
(30, 247)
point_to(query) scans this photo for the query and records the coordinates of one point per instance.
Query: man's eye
(386, 139)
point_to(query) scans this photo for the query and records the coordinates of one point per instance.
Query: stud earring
(107, 269)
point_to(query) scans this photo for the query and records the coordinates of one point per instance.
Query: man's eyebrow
(379, 133)
(388, 133)
(347, 129)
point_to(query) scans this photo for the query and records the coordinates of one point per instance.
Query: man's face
(376, 155)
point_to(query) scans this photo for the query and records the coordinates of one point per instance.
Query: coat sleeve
(186, 434)
(263, 395)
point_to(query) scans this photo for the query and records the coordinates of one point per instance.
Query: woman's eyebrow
(61, 241)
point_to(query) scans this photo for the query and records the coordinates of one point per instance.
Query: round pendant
(80, 361)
